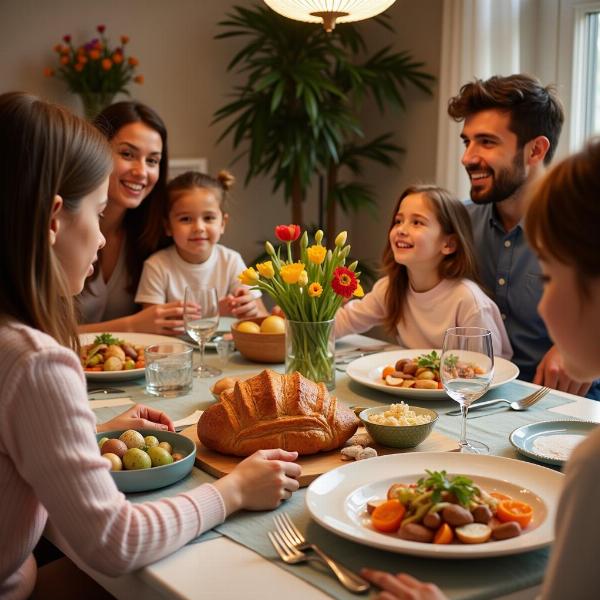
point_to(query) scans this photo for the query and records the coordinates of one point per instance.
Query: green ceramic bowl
(398, 436)
(156, 477)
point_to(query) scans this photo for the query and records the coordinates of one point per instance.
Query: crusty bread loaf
(276, 411)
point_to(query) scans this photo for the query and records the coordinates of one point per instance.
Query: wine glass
(201, 319)
(466, 371)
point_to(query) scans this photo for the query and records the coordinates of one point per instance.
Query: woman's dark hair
(564, 213)
(45, 151)
(534, 109)
(144, 224)
(454, 220)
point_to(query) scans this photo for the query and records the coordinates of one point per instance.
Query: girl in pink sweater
(430, 277)
(54, 170)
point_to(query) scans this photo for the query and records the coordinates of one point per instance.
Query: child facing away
(55, 166)
(196, 221)
(562, 226)
(430, 277)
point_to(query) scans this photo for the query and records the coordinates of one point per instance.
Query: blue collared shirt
(511, 273)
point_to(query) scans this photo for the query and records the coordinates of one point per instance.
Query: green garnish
(429, 361)
(108, 339)
(462, 487)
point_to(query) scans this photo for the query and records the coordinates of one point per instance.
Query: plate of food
(116, 356)
(353, 502)
(415, 373)
(550, 442)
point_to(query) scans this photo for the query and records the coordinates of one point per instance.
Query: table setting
(331, 520)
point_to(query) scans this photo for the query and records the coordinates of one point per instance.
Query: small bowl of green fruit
(146, 459)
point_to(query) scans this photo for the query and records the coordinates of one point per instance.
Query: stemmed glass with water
(201, 319)
(466, 371)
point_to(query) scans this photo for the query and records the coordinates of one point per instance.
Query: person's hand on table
(139, 417)
(163, 319)
(261, 481)
(402, 586)
(551, 373)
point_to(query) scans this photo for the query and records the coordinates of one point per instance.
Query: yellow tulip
(319, 236)
(266, 269)
(359, 292)
(248, 277)
(340, 240)
(316, 254)
(315, 290)
(291, 273)
(303, 279)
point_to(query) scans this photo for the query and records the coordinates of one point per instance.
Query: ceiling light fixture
(329, 12)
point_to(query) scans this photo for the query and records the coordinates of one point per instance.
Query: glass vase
(310, 349)
(95, 102)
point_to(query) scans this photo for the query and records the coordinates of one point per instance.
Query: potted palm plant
(297, 113)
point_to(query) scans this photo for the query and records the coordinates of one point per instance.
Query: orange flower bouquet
(95, 71)
(309, 291)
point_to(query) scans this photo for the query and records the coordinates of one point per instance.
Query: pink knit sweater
(50, 467)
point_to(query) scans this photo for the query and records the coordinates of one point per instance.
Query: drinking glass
(466, 370)
(169, 369)
(201, 318)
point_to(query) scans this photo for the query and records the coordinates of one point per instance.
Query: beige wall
(186, 82)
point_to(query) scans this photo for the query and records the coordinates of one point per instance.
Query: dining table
(236, 558)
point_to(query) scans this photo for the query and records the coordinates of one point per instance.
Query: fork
(522, 404)
(294, 540)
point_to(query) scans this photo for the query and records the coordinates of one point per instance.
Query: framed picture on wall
(177, 166)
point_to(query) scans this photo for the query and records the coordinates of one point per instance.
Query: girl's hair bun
(226, 179)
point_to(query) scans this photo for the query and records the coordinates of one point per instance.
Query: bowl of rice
(398, 425)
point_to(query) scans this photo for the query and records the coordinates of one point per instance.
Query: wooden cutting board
(314, 465)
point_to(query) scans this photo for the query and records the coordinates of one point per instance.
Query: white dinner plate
(141, 339)
(367, 370)
(337, 500)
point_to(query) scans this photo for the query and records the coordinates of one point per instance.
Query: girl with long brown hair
(430, 275)
(54, 170)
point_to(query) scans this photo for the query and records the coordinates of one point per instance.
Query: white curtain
(480, 38)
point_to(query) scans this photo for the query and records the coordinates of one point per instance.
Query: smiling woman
(132, 224)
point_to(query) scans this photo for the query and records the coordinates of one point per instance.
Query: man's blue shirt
(511, 273)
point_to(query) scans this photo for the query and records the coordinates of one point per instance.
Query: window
(585, 95)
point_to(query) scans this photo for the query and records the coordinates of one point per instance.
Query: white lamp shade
(348, 10)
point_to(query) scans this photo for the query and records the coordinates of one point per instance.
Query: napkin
(108, 402)
(189, 420)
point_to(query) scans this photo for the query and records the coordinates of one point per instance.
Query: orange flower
(48, 72)
(344, 282)
(58, 48)
(79, 67)
(117, 58)
(64, 59)
(94, 54)
(139, 79)
(124, 39)
(133, 61)
(82, 58)
(107, 64)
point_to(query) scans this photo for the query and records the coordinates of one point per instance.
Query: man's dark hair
(534, 109)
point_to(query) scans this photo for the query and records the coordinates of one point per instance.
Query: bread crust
(272, 410)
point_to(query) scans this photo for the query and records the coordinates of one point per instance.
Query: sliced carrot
(388, 516)
(95, 369)
(514, 510)
(440, 386)
(444, 535)
(140, 364)
(387, 371)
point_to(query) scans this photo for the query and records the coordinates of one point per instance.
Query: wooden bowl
(259, 347)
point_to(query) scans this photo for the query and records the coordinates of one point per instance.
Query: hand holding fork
(290, 544)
